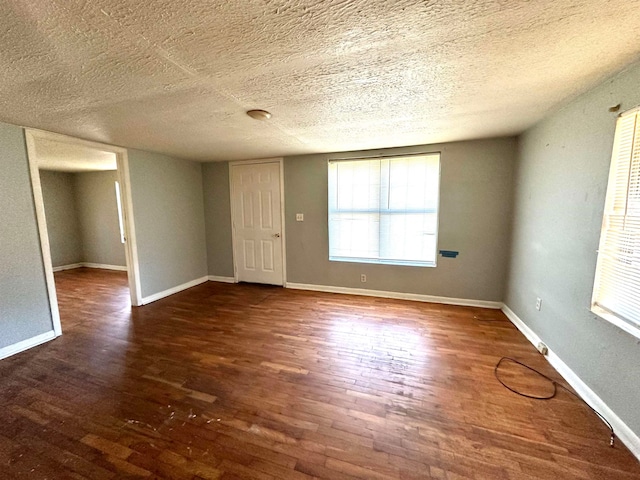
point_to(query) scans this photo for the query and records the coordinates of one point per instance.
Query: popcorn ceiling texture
(177, 77)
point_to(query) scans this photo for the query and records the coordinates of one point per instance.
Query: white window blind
(384, 210)
(616, 293)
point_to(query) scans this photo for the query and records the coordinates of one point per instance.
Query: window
(384, 210)
(616, 292)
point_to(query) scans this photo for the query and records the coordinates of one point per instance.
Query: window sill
(383, 262)
(617, 321)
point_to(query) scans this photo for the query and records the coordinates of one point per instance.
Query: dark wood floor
(243, 381)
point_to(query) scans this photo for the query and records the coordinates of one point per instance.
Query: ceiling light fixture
(259, 114)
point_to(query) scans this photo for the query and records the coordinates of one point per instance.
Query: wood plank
(228, 382)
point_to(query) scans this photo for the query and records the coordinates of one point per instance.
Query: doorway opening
(83, 205)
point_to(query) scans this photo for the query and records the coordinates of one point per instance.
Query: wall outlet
(299, 217)
(542, 348)
(363, 278)
(538, 303)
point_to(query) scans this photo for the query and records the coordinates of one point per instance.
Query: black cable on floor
(552, 395)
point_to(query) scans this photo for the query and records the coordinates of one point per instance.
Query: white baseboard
(71, 266)
(171, 291)
(26, 344)
(520, 325)
(215, 278)
(119, 268)
(622, 430)
(402, 296)
(90, 265)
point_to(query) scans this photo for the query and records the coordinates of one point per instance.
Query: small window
(616, 292)
(384, 210)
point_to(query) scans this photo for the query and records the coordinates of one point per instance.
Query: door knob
(276, 235)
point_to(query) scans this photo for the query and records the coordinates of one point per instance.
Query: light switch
(299, 217)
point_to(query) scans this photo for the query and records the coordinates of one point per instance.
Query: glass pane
(358, 185)
(354, 235)
(410, 236)
(413, 183)
(384, 209)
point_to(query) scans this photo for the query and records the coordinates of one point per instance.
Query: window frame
(379, 261)
(601, 311)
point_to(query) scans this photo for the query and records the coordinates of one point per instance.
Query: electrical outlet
(538, 303)
(299, 217)
(363, 278)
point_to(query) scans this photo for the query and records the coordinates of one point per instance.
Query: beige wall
(560, 185)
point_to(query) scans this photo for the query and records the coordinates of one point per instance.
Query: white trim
(171, 291)
(618, 320)
(256, 161)
(280, 161)
(27, 344)
(520, 325)
(615, 319)
(70, 266)
(41, 220)
(215, 278)
(622, 430)
(122, 160)
(121, 268)
(130, 243)
(630, 111)
(382, 153)
(376, 260)
(398, 295)
(283, 226)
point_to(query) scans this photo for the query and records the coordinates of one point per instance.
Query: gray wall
(217, 211)
(98, 216)
(63, 226)
(168, 209)
(560, 186)
(24, 302)
(82, 217)
(475, 203)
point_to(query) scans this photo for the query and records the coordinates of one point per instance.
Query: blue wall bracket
(449, 253)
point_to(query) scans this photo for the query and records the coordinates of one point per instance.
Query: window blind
(384, 210)
(616, 294)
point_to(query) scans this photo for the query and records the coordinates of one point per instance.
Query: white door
(257, 223)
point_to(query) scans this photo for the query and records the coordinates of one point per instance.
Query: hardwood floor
(244, 381)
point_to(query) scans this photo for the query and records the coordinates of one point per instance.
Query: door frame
(131, 248)
(280, 162)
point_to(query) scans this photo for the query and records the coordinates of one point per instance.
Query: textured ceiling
(176, 77)
(66, 157)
